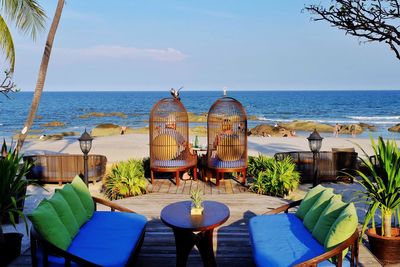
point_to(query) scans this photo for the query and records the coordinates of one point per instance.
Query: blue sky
(202, 45)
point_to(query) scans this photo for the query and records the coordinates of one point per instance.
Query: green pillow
(74, 203)
(344, 226)
(65, 214)
(49, 225)
(327, 218)
(312, 216)
(84, 194)
(309, 200)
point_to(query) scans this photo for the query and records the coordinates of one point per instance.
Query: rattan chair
(227, 138)
(169, 139)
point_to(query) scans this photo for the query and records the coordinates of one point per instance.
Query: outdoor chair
(320, 233)
(227, 138)
(169, 139)
(68, 230)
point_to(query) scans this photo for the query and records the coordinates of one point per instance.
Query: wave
(332, 121)
(374, 118)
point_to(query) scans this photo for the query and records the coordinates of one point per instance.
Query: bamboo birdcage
(169, 138)
(227, 137)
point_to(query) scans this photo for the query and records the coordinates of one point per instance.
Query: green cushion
(312, 216)
(344, 226)
(84, 194)
(309, 200)
(74, 203)
(48, 224)
(327, 218)
(65, 214)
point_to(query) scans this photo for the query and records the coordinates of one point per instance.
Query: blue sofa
(280, 239)
(107, 238)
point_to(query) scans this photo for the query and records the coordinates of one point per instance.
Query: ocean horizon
(379, 108)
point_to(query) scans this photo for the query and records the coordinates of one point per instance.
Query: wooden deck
(231, 240)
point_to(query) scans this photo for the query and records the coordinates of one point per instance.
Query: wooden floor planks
(231, 240)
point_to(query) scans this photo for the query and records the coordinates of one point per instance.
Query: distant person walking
(353, 130)
(336, 130)
(123, 130)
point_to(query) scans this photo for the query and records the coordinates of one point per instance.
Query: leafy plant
(381, 182)
(125, 179)
(12, 186)
(257, 164)
(276, 178)
(196, 196)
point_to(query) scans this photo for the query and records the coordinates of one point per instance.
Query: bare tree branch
(7, 85)
(370, 20)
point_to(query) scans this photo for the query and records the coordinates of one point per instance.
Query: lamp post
(85, 142)
(315, 143)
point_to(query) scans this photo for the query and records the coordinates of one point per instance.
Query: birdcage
(169, 136)
(227, 138)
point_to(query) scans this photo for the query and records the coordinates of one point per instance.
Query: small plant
(12, 186)
(257, 164)
(276, 177)
(196, 196)
(125, 179)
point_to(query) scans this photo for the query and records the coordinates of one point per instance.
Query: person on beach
(336, 130)
(353, 130)
(123, 130)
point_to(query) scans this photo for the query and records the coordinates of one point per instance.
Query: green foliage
(274, 177)
(12, 184)
(125, 179)
(257, 164)
(381, 183)
(196, 196)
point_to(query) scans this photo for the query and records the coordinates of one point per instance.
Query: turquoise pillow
(84, 194)
(344, 226)
(309, 200)
(65, 214)
(74, 203)
(327, 218)
(312, 216)
(48, 224)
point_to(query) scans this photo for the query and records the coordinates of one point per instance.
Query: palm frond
(7, 43)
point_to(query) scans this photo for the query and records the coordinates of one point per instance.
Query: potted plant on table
(196, 196)
(381, 183)
(12, 194)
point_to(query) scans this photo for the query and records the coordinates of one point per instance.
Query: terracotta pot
(386, 249)
(11, 248)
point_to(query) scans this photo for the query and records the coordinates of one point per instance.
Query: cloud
(123, 52)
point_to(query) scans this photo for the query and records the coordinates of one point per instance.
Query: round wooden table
(190, 230)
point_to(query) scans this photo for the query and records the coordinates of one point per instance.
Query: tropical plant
(276, 178)
(257, 164)
(27, 16)
(42, 73)
(381, 183)
(125, 179)
(196, 196)
(12, 186)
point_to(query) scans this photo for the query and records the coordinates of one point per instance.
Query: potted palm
(381, 182)
(12, 193)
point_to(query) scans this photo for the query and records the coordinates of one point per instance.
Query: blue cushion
(170, 163)
(107, 239)
(283, 240)
(217, 163)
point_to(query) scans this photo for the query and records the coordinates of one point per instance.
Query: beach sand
(123, 147)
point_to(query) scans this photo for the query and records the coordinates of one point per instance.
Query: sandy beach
(123, 147)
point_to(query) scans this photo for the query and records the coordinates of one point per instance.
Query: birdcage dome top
(227, 106)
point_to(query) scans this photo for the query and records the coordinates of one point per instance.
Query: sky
(201, 45)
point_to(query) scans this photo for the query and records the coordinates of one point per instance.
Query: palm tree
(42, 74)
(26, 15)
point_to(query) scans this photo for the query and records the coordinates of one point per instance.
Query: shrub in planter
(257, 164)
(125, 179)
(381, 182)
(12, 193)
(274, 177)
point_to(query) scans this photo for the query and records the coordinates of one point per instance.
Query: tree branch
(369, 20)
(7, 85)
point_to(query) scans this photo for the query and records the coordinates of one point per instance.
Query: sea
(379, 108)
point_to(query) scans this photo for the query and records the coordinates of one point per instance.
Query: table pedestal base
(185, 240)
